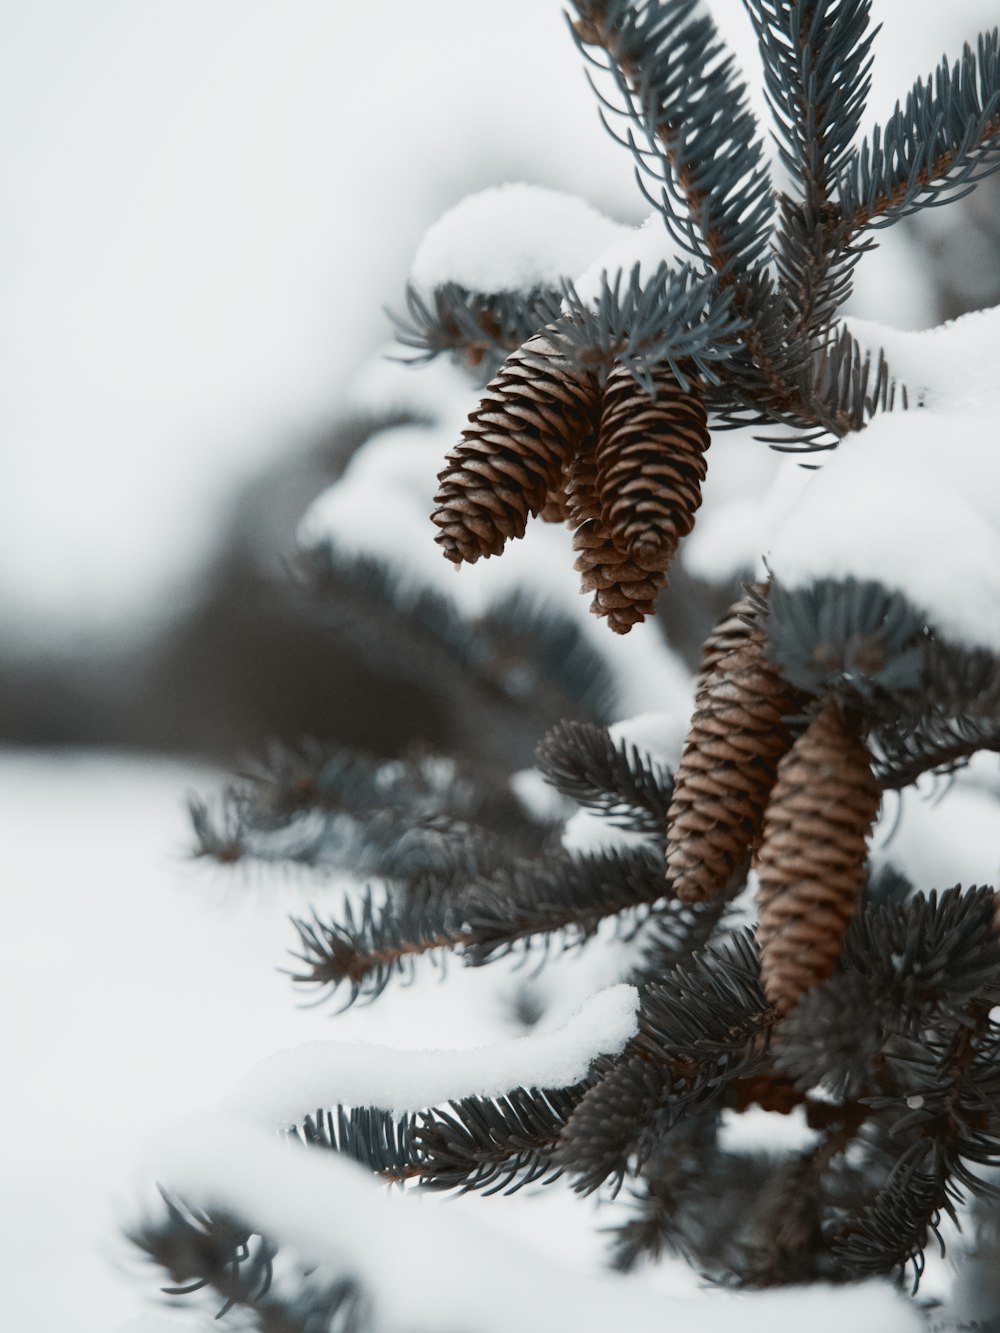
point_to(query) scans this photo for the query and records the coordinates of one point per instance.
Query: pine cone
(555, 508)
(730, 632)
(512, 454)
(650, 462)
(811, 862)
(739, 732)
(624, 589)
(582, 503)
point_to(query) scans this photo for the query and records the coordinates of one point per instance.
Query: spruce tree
(778, 968)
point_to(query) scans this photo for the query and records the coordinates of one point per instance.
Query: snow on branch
(914, 503)
(424, 1269)
(289, 1084)
(513, 238)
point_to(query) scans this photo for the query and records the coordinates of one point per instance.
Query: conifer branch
(817, 70)
(845, 633)
(702, 1026)
(616, 781)
(672, 73)
(516, 904)
(374, 1138)
(562, 895)
(933, 149)
(370, 944)
(481, 328)
(675, 317)
(223, 1255)
(494, 1145)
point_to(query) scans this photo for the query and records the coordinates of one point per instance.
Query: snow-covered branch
(427, 1269)
(290, 1084)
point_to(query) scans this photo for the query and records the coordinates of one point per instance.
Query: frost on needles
(783, 966)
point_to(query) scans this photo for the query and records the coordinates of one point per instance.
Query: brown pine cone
(730, 632)
(580, 481)
(555, 508)
(739, 732)
(811, 863)
(511, 456)
(624, 589)
(650, 462)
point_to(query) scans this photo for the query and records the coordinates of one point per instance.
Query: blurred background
(204, 209)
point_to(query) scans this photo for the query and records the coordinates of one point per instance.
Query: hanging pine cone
(555, 508)
(511, 456)
(580, 482)
(811, 862)
(624, 589)
(731, 631)
(739, 732)
(650, 462)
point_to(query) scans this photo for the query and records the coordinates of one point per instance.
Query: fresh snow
(290, 1084)
(913, 501)
(175, 992)
(748, 490)
(432, 1271)
(645, 248)
(513, 238)
(950, 368)
(938, 842)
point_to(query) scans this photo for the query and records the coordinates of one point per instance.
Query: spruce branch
(672, 75)
(377, 1139)
(934, 149)
(894, 1228)
(615, 780)
(515, 903)
(700, 1027)
(932, 746)
(224, 1255)
(854, 634)
(817, 62)
(493, 1144)
(496, 1145)
(675, 317)
(480, 328)
(370, 943)
(816, 58)
(561, 895)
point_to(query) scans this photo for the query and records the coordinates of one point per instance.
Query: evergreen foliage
(862, 1007)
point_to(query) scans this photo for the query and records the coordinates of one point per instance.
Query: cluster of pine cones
(549, 439)
(764, 778)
